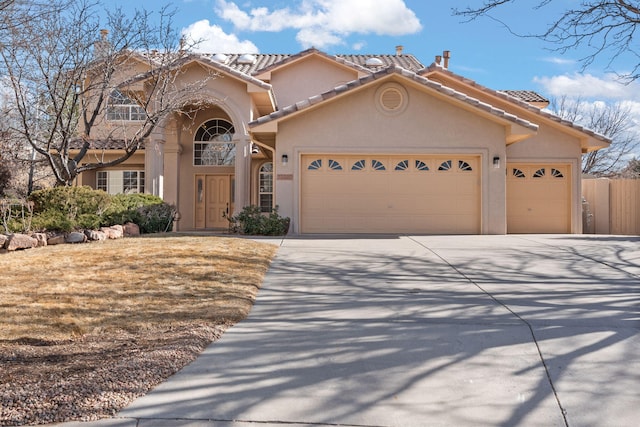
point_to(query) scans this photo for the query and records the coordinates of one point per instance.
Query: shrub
(156, 218)
(72, 201)
(125, 208)
(71, 208)
(68, 208)
(16, 215)
(52, 220)
(253, 221)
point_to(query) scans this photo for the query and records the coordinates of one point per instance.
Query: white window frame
(120, 181)
(122, 108)
(213, 145)
(265, 188)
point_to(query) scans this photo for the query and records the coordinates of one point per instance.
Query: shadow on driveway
(427, 330)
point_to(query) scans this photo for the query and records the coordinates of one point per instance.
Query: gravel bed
(92, 377)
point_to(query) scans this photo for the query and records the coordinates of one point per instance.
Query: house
(358, 144)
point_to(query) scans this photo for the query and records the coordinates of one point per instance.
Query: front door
(213, 200)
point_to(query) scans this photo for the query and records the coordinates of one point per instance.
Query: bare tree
(64, 77)
(611, 119)
(607, 27)
(632, 170)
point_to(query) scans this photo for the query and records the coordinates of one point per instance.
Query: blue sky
(483, 50)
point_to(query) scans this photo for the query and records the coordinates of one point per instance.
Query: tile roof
(392, 69)
(101, 144)
(525, 95)
(406, 61)
(263, 62)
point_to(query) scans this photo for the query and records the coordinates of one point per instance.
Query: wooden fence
(612, 206)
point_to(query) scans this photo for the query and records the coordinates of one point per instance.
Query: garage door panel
(389, 194)
(538, 198)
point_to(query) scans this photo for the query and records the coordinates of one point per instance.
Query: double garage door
(390, 194)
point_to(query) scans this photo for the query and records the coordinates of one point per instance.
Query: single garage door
(538, 198)
(390, 194)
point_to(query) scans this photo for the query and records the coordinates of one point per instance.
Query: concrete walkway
(420, 331)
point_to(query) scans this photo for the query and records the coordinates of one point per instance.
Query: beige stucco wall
(308, 77)
(354, 124)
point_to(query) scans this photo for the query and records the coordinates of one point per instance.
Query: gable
(516, 128)
(426, 121)
(308, 76)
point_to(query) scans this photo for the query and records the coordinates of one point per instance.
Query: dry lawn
(72, 313)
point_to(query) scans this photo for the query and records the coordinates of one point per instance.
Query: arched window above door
(212, 144)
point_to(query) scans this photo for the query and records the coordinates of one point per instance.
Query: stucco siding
(429, 125)
(308, 77)
(548, 143)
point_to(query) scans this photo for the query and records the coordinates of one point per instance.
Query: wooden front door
(213, 200)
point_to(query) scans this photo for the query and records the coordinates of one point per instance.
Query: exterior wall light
(496, 162)
(285, 159)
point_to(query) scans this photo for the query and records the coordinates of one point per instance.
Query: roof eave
(572, 128)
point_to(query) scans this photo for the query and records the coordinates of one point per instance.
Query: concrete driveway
(421, 331)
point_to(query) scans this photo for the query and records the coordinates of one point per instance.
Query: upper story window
(213, 144)
(121, 107)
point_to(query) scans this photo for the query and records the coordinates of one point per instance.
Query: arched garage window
(265, 193)
(212, 144)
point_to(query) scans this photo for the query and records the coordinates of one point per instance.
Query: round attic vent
(392, 98)
(221, 58)
(246, 59)
(374, 62)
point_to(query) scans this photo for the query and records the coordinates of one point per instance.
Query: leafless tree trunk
(612, 120)
(62, 73)
(607, 27)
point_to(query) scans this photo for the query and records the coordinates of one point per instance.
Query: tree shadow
(415, 335)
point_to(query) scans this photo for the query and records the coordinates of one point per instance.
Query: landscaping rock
(95, 235)
(41, 238)
(113, 232)
(3, 239)
(76, 237)
(131, 230)
(20, 241)
(56, 240)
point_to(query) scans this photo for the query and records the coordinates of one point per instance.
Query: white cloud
(559, 61)
(323, 23)
(589, 86)
(212, 39)
(359, 45)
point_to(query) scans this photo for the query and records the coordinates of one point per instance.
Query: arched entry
(214, 149)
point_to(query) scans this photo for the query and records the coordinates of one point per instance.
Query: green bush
(72, 201)
(52, 220)
(253, 221)
(125, 208)
(73, 208)
(68, 208)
